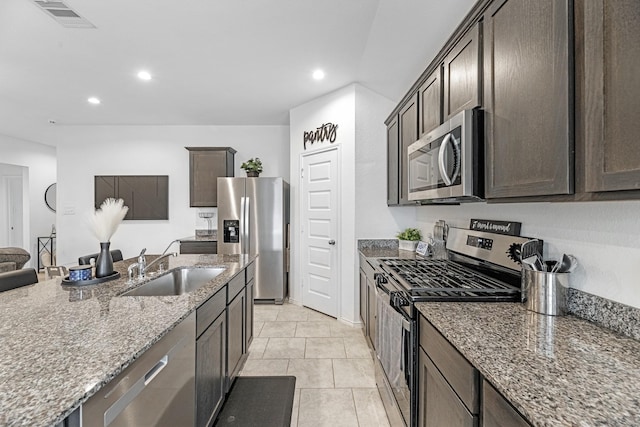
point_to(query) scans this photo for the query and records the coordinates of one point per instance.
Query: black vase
(104, 263)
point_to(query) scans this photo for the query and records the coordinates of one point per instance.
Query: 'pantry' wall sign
(325, 132)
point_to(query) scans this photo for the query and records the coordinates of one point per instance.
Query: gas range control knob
(379, 278)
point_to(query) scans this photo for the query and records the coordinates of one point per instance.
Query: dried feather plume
(105, 221)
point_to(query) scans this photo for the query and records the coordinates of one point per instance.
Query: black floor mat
(259, 402)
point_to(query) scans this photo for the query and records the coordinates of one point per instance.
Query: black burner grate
(442, 280)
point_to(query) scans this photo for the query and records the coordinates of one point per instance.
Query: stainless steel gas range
(480, 267)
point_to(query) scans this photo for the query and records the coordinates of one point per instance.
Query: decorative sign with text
(325, 132)
(510, 228)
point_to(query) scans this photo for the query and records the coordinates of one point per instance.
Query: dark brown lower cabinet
(211, 336)
(249, 294)
(438, 404)
(235, 336)
(496, 411)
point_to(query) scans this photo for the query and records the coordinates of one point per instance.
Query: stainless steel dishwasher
(158, 389)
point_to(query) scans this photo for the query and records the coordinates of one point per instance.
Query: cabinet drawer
(210, 310)
(497, 411)
(235, 286)
(198, 247)
(459, 373)
(251, 272)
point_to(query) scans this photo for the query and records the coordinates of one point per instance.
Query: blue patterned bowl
(81, 272)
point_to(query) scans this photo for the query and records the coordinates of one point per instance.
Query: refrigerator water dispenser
(231, 230)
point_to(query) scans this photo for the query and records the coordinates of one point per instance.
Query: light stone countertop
(557, 371)
(61, 344)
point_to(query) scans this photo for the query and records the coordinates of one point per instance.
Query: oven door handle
(404, 359)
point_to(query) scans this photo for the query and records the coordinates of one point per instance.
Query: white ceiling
(214, 62)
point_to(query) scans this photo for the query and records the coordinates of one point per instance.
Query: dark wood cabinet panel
(393, 163)
(147, 196)
(206, 164)
(248, 334)
(496, 411)
(235, 336)
(430, 102)
(198, 247)
(462, 70)
(612, 94)
(438, 404)
(408, 126)
(528, 87)
(210, 372)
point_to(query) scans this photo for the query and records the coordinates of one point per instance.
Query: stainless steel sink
(177, 282)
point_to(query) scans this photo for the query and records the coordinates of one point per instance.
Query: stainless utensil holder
(545, 292)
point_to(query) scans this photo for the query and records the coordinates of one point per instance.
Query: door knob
(332, 242)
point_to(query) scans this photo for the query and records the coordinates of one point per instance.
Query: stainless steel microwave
(447, 164)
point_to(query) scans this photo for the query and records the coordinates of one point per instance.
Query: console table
(46, 245)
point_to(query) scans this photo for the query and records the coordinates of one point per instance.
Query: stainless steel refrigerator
(253, 218)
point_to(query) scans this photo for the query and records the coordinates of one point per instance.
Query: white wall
(604, 236)
(40, 160)
(360, 115)
(85, 151)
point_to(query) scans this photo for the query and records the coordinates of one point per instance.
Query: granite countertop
(554, 370)
(61, 344)
(202, 236)
(388, 253)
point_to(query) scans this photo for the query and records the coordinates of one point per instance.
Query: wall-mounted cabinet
(612, 94)
(408, 128)
(462, 74)
(146, 196)
(393, 163)
(528, 98)
(430, 102)
(206, 164)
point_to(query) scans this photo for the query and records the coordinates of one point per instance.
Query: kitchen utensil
(567, 264)
(550, 265)
(533, 262)
(530, 248)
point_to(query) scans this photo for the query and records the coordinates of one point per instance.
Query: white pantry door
(319, 220)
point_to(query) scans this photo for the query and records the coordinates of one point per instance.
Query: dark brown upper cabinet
(462, 74)
(206, 164)
(393, 164)
(147, 196)
(430, 102)
(528, 98)
(408, 127)
(611, 94)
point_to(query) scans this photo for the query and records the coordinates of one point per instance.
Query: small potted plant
(408, 239)
(253, 167)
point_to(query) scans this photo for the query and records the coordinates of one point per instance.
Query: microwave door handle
(441, 165)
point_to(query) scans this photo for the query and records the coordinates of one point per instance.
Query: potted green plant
(253, 167)
(408, 239)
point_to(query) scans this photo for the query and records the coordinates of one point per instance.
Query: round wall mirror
(50, 197)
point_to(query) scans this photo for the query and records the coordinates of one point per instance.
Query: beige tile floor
(331, 361)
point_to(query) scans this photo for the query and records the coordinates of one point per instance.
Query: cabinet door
(496, 411)
(462, 74)
(408, 125)
(438, 405)
(206, 164)
(248, 325)
(235, 336)
(198, 247)
(528, 98)
(430, 102)
(612, 94)
(363, 302)
(210, 372)
(372, 312)
(393, 163)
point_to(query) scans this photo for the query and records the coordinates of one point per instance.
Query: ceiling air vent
(63, 14)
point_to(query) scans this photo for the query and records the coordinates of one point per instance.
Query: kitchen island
(60, 344)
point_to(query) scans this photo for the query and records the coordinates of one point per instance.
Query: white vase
(407, 245)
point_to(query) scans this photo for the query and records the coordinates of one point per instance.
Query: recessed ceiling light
(93, 100)
(144, 75)
(318, 75)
